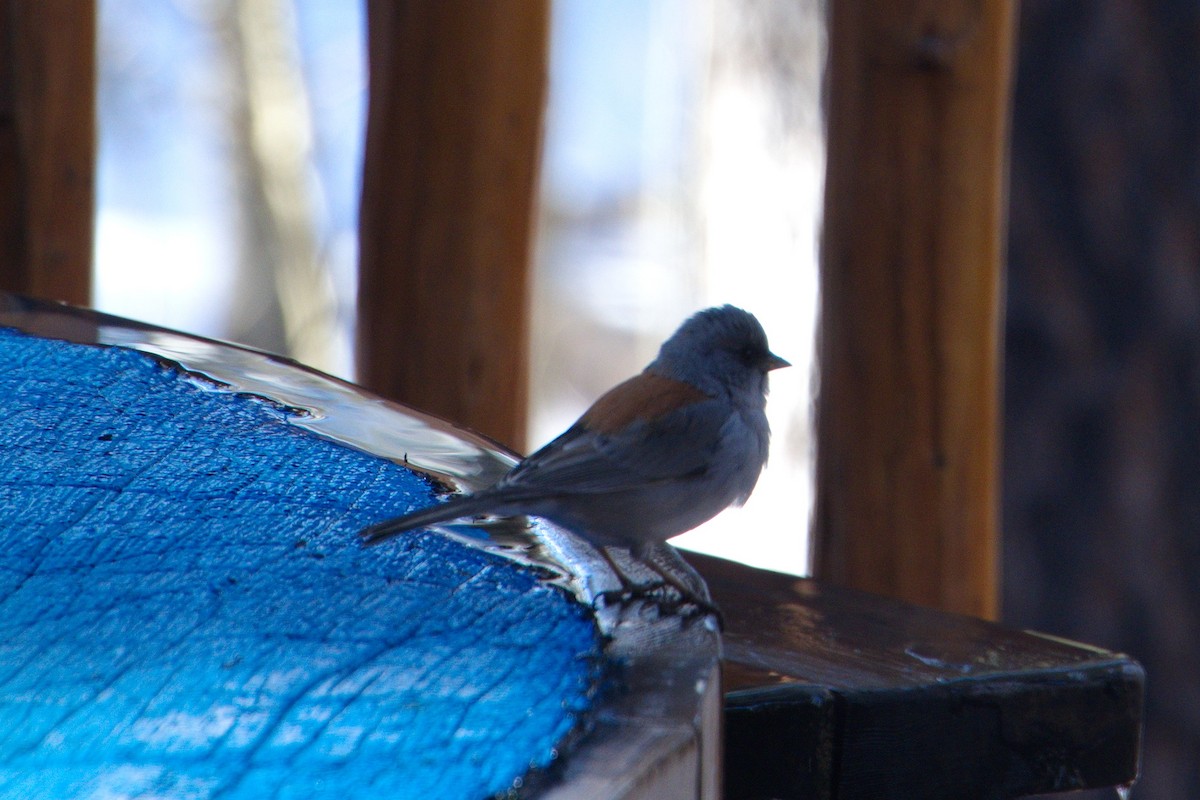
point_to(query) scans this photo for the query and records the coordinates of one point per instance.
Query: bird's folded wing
(587, 461)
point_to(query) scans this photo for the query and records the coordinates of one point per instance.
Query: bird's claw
(633, 591)
(693, 607)
(668, 603)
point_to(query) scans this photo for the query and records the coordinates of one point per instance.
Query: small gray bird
(655, 456)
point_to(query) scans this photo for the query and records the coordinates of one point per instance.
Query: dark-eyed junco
(655, 456)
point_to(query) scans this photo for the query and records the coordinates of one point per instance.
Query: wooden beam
(909, 339)
(47, 148)
(839, 694)
(449, 180)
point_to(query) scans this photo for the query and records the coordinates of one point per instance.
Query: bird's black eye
(750, 355)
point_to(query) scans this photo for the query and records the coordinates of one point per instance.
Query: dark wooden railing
(47, 147)
(453, 136)
(911, 275)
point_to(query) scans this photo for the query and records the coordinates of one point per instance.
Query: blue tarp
(185, 610)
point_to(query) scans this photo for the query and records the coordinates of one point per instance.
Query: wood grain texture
(449, 178)
(47, 147)
(909, 344)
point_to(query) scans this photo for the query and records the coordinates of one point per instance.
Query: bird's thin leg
(687, 595)
(632, 591)
(629, 589)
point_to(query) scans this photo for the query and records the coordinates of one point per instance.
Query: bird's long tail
(456, 508)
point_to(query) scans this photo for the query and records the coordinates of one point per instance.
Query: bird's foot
(633, 591)
(691, 608)
(666, 598)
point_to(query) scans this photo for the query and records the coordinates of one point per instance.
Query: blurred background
(1101, 505)
(682, 167)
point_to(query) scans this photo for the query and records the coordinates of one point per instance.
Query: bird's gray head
(719, 351)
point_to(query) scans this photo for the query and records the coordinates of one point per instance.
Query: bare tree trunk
(284, 288)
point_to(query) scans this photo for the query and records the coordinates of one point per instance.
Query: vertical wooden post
(47, 147)
(449, 180)
(909, 338)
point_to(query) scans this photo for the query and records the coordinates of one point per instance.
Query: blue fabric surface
(185, 610)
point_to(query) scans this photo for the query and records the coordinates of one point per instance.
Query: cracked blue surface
(185, 610)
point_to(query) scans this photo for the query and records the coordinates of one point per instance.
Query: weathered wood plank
(835, 693)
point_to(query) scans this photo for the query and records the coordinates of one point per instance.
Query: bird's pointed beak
(775, 362)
